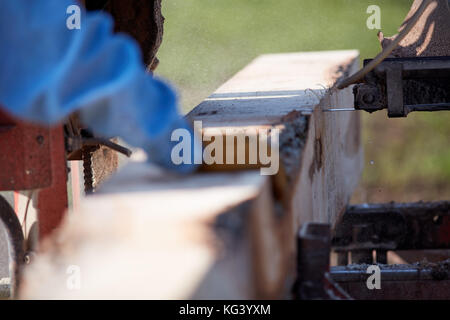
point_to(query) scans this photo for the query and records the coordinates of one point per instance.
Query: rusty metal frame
(53, 200)
(404, 85)
(313, 261)
(380, 227)
(24, 155)
(33, 157)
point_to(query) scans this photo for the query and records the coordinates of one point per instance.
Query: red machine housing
(33, 157)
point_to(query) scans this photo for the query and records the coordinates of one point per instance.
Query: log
(217, 235)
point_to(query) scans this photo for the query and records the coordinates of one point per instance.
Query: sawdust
(292, 142)
(429, 37)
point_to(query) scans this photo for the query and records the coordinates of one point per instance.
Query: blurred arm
(49, 71)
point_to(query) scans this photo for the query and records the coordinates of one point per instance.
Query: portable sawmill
(411, 74)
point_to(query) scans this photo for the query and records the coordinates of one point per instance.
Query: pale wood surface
(272, 86)
(277, 91)
(150, 234)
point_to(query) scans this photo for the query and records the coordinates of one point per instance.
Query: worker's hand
(177, 150)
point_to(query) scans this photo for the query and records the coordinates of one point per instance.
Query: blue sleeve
(48, 71)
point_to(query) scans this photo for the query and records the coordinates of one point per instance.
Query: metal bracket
(313, 264)
(381, 227)
(394, 88)
(404, 85)
(392, 226)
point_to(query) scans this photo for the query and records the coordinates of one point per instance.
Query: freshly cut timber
(229, 232)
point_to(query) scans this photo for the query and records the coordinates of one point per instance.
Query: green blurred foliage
(207, 41)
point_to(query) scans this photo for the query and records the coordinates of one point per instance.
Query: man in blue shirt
(48, 71)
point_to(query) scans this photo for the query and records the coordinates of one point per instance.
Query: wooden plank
(321, 153)
(152, 235)
(149, 234)
(272, 86)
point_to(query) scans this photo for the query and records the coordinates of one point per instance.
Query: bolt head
(40, 139)
(368, 98)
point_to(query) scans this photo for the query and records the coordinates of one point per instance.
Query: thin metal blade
(339, 109)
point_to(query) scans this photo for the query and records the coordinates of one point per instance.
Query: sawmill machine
(411, 74)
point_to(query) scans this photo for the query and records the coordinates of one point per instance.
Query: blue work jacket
(48, 71)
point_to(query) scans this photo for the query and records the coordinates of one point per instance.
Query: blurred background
(207, 41)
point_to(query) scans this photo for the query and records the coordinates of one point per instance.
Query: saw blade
(339, 109)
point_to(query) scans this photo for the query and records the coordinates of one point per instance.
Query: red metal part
(52, 201)
(33, 157)
(24, 155)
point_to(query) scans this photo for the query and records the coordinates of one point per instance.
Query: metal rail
(392, 226)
